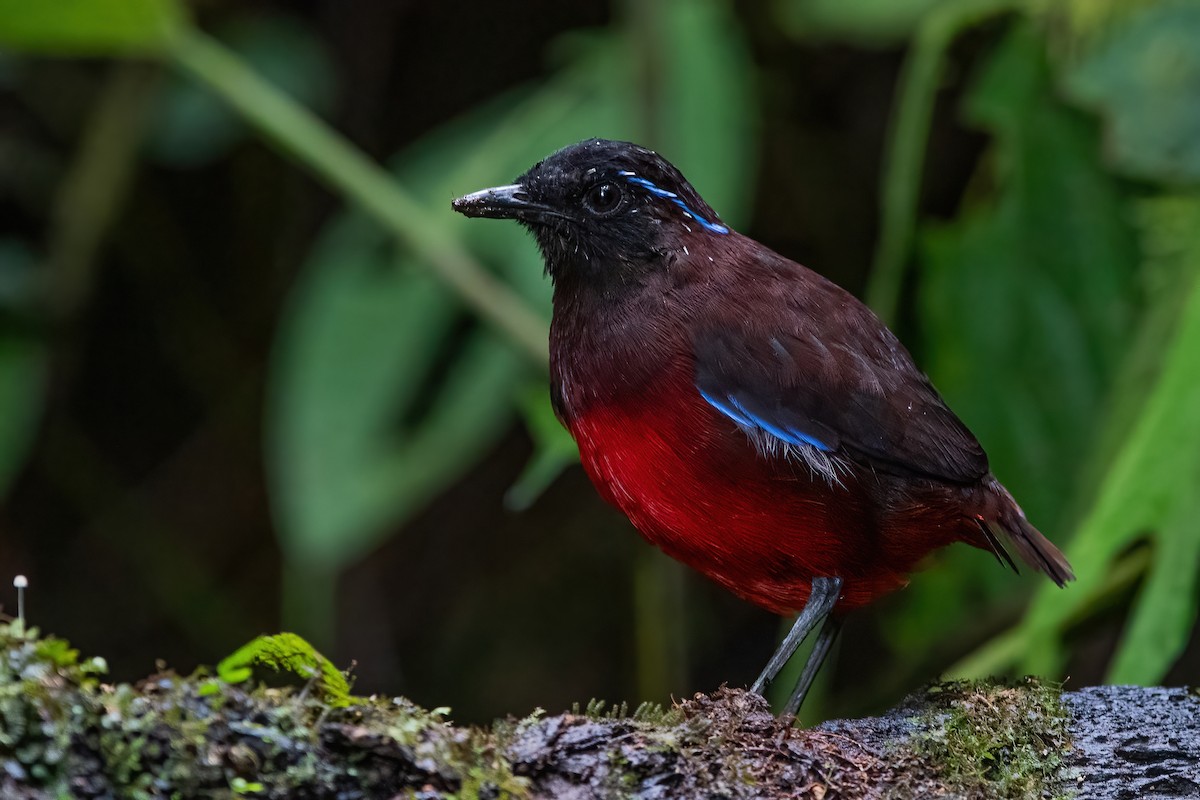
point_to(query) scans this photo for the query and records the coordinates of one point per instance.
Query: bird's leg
(825, 639)
(821, 600)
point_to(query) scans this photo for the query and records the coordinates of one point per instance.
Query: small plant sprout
(21, 582)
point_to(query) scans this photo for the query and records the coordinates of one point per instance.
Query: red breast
(693, 484)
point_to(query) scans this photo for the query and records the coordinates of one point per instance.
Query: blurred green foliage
(1144, 78)
(871, 21)
(1030, 289)
(191, 126)
(1034, 279)
(1059, 308)
(22, 361)
(368, 335)
(22, 368)
(90, 27)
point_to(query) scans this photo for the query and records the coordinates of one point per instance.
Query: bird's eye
(603, 198)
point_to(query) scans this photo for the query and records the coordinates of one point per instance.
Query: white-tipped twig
(20, 582)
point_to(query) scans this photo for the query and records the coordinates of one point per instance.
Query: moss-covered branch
(65, 733)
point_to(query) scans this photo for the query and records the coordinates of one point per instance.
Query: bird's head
(601, 210)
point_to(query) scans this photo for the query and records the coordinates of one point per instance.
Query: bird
(751, 418)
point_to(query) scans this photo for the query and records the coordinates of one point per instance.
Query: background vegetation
(251, 380)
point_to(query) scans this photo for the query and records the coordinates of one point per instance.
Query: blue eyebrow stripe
(715, 227)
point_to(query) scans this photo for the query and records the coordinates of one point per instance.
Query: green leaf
(358, 339)
(1152, 486)
(372, 412)
(1027, 302)
(706, 123)
(1144, 79)
(554, 449)
(868, 21)
(57, 651)
(1164, 613)
(709, 114)
(1150, 490)
(1029, 298)
(1147, 488)
(89, 27)
(23, 362)
(377, 399)
(191, 126)
(22, 382)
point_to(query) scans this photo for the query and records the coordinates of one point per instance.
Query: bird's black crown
(600, 207)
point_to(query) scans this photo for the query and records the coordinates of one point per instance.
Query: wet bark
(1132, 742)
(64, 733)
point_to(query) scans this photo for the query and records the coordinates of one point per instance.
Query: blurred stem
(94, 188)
(345, 169)
(661, 633)
(1000, 653)
(310, 602)
(900, 193)
(659, 604)
(644, 24)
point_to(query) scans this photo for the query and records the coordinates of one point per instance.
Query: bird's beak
(501, 202)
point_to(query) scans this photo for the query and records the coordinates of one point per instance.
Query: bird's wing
(855, 395)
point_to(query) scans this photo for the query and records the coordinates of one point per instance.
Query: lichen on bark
(66, 733)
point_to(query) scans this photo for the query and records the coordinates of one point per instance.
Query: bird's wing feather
(852, 393)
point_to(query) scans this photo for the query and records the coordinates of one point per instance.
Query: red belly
(762, 527)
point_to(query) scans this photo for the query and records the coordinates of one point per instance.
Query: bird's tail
(1004, 522)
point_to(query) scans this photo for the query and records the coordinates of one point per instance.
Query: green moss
(1002, 740)
(646, 712)
(287, 652)
(491, 779)
(36, 723)
(199, 736)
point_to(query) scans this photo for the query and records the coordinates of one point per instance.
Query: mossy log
(65, 733)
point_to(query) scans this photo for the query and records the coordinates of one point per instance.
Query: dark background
(141, 511)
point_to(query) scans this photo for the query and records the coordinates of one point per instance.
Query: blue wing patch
(715, 227)
(775, 439)
(730, 407)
